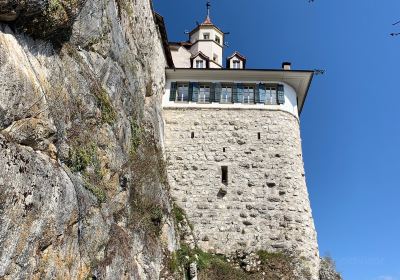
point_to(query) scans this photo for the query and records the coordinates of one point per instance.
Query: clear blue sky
(350, 122)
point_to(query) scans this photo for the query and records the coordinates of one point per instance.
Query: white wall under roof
(214, 65)
(198, 35)
(209, 47)
(230, 61)
(289, 106)
(181, 57)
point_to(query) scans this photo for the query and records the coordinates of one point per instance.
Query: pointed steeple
(208, 19)
(207, 22)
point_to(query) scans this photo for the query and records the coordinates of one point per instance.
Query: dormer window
(199, 60)
(236, 61)
(199, 63)
(217, 39)
(206, 36)
(236, 64)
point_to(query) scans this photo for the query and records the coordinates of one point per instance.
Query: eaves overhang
(299, 80)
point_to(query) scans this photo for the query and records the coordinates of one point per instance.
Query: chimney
(286, 65)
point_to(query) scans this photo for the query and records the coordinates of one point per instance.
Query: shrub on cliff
(45, 19)
(328, 270)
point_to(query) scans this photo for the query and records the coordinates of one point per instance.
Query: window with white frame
(204, 94)
(271, 95)
(248, 94)
(206, 36)
(199, 63)
(217, 39)
(226, 94)
(182, 93)
(236, 64)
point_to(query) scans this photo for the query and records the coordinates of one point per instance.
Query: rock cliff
(82, 182)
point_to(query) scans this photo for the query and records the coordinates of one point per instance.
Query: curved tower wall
(264, 204)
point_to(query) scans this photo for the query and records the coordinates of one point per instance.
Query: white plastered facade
(289, 106)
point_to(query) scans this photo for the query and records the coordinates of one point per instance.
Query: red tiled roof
(207, 21)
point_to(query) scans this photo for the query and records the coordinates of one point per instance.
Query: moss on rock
(45, 19)
(108, 114)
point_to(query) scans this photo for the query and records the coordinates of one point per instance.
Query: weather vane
(208, 8)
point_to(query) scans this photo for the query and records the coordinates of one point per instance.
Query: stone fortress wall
(264, 204)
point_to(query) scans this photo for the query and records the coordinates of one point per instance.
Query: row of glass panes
(226, 94)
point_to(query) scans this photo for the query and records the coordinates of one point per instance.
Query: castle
(232, 138)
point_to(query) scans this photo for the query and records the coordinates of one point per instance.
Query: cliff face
(82, 179)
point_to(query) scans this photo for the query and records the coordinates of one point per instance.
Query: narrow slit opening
(224, 171)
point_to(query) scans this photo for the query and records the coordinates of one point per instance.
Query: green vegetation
(185, 256)
(137, 132)
(55, 14)
(266, 257)
(82, 157)
(96, 191)
(273, 266)
(328, 270)
(154, 220)
(147, 167)
(223, 270)
(211, 266)
(182, 258)
(147, 213)
(207, 260)
(149, 217)
(55, 6)
(173, 264)
(179, 213)
(108, 114)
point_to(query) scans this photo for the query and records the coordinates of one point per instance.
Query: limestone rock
(30, 132)
(81, 196)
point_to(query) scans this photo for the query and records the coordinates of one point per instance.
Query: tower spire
(208, 9)
(208, 20)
